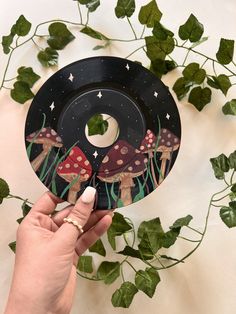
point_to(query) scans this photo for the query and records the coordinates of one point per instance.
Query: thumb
(68, 233)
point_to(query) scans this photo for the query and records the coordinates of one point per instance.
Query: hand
(47, 253)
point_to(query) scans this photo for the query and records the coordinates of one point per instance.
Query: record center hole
(102, 130)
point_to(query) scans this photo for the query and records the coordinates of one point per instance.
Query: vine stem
(131, 26)
(133, 52)
(19, 198)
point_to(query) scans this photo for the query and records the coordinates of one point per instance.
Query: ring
(75, 223)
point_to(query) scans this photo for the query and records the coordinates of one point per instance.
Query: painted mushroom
(75, 169)
(121, 164)
(168, 143)
(148, 147)
(48, 138)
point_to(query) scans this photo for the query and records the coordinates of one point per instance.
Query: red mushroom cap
(149, 142)
(46, 136)
(167, 141)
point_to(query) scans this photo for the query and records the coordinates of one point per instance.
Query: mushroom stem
(125, 187)
(164, 157)
(72, 194)
(37, 162)
(150, 154)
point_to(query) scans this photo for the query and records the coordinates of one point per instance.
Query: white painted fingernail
(88, 195)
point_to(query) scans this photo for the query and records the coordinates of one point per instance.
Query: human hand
(47, 253)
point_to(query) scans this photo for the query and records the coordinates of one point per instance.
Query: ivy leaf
(160, 67)
(97, 125)
(233, 188)
(125, 8)
(230, 107)
(6, 43)
(21, 27)
(159, 49)
(194, 74)
(48, 57)
(92, 33)
(98, 248)
(12, 246)
(160, 32)
(201, 41)
(85, 264)
(181, 87)
(19, 220)
(171, 258)
(123, 296)
(60, 36)
(192, 30)
(226, 51)
(149, 14)
(27, 75)
(102, 46)
(152, 226)
(170, 237)
(232, 160)
(147, 280)
(220, 165)
(118, 227)
(181, 222)
(221, 82)
(200, 97)
(228, 214)
(91, 5)
(21, 92)
(25, 208)
(4, 190)
(108, 271)
(129, 251)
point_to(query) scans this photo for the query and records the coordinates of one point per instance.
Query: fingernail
(88, 195)
(111, 214)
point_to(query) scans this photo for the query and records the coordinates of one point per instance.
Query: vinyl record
(105, 122)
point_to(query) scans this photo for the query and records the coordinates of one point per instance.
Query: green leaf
(27, 75)
(230, 107)
(21, 27)
(12, 246)
(171, 258)
(232, 196)
(200, 97)
(194, 74)
(150, 226)
(98, 47)
(232, 160)
(108, 271)
(149, 14)
(228, 214)
(98, 248)
(4, 190)
(48, 57)
(123, 296)
(170, 237)
(92, 33)
(19, 220)
(25, 208)
(226, 51)
(21, 92)
(125, 8)
(129, 251)
(233, 188)
(221, 82)
(159, 49)
(192, 30)
(6, 43)
(91, 5)
(201, 41)
(181, 222)
(118, 227)
(181, 87)
(97, 125)
(160, 32)
(147, 280)
(85, 264)
(60, 36)
(160, 67)
(220, 165)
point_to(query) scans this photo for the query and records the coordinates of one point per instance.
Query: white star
(95, 154)
(52, 106)
(99, 95)
(167, 116)
(127, 67)
(155, 94)
(71, 77)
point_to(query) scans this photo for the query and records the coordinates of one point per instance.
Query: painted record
(106, 122)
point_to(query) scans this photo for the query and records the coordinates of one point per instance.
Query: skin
(47, 253)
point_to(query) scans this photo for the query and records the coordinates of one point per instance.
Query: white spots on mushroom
(83, 171)
(58, 139)
(164, 130)
(86, 176)
(105, 159)
(162, 140)
(136, 150)
(106, 171)
(146, 138)
(76, 165)
(86, 162)
(119, 162)
(124, 150)
(169, 135)
(142, 147)
(145, 160)
(53, 132)
(79, 158)
(175, 139)
(52, 106)
(43, 130)
(148, 131)
(48, 135)
(67, 166)
(151, 135)
(150, 140)
(99, 95)
(137, 162)
(60, 167)
(71, 152)
(41, 135)
(148, 145)
(32, 134)
(116, 147)
(130, 168)
(168, 144)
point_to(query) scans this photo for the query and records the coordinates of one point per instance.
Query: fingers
(59, 216)
(46, 204)
(68, 233)
(92, 235)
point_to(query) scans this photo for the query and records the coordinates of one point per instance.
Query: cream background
(206, 282)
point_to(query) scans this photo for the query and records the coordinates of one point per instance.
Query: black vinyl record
(82, 95)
